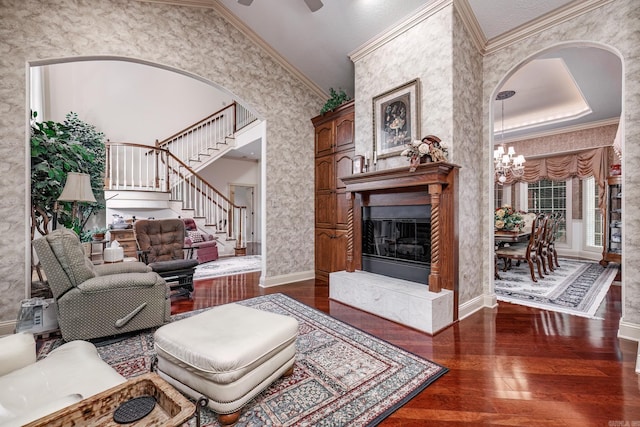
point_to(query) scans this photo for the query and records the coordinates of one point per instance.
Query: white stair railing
(143, 168)
(209, 138)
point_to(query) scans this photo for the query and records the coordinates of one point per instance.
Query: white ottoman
(229, 354)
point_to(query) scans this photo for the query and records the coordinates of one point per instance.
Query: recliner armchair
(161, 246)
(103, 300)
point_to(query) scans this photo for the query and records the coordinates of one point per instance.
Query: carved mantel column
(435, 282)
(350, 230)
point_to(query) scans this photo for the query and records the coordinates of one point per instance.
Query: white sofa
(31, 389)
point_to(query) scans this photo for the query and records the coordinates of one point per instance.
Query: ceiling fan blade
(313, 5)
(245, 2)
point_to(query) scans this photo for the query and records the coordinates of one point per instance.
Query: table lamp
(77, 189)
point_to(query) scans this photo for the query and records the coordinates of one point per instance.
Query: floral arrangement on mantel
(508, 219)
(428, 147)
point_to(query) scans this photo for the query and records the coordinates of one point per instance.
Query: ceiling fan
(313, 5)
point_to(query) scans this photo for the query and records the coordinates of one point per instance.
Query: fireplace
(399, 220)
(430, 192)
(396, 241)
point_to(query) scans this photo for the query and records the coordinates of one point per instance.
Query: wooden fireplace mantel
(431, 184)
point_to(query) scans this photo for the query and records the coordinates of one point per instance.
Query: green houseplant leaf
(336, 99)
(57, 149)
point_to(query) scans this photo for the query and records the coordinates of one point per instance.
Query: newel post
(435, 281)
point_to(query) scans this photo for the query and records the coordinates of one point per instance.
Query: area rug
(342, 377)
(228, 266)
(576, 287)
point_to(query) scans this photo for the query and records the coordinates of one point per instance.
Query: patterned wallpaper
(570, 141)
(450, 72)
(467, 152)
(195, 40)
(613, 26)
(199, 41)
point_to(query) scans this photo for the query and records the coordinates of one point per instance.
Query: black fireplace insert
(396, 241)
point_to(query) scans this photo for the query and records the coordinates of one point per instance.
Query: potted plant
(94, 235)
(56, 150)
(336, 100)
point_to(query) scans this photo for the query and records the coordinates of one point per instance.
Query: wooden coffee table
(171, 409)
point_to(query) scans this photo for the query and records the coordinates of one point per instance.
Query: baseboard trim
(476, 304)
(286, 278)
(629, 331)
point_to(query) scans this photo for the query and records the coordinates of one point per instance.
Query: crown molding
(384, 38)
(544, 22)
(471, 23)
(560, 131)
(249, 33)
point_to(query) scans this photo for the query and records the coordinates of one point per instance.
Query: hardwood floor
(513, 365)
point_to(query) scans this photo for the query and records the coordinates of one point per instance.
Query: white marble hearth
(407, 303)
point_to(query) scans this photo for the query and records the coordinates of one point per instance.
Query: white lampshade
(77, 188)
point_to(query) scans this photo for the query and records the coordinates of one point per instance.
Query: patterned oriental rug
(576, 287)
(228, 266)
(342, 377)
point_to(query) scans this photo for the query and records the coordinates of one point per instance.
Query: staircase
(165, 176)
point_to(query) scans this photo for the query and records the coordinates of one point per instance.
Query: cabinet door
(343, 167)
(324, 139)
(325, 174)
(339, 248)
(342, 210)
(324, 253)
(345, 132)
(326, 209)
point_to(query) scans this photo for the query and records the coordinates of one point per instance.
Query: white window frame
(589, 207)
(569, 223)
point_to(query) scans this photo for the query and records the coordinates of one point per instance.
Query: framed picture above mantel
(396, 119)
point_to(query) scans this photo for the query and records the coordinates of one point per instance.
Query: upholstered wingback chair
(103, 300)
(205, 245)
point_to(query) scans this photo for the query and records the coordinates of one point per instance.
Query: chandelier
(506, 162)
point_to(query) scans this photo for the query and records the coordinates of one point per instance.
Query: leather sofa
(31, 389)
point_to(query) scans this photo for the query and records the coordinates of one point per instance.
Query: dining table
(503, 236)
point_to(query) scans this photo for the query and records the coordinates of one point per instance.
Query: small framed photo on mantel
(358, 164)
(396, 119)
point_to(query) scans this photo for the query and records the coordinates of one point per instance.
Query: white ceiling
(318, 45)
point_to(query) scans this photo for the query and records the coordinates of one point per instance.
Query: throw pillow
(195, 236)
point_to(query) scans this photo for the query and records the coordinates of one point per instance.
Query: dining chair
(552, 254)
(546, 247)
(529, 252)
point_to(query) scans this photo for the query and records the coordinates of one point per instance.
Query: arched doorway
(540, 124)
(130, 100)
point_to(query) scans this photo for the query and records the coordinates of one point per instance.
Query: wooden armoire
(334, 152)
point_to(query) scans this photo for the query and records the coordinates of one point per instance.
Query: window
(497, 190)
(549, 196)
(592, 214)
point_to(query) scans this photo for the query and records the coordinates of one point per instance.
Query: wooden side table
(171, 409)
(127, 240)
(97, 250)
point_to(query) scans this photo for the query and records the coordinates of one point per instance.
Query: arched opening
(581, 112)
(136, 101)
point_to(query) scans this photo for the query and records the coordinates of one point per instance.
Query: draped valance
(582, 164)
